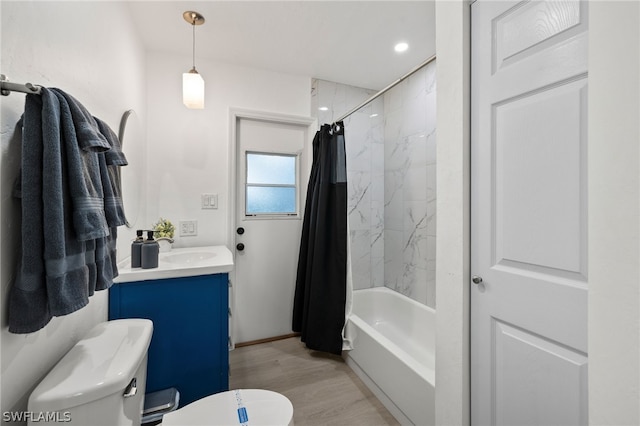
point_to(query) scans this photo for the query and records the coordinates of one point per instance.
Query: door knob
(240, 230)
(240, 246)
(476, 279)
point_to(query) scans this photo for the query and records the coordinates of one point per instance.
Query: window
(271, 187)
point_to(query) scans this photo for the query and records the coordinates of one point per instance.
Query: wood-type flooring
(321, 387)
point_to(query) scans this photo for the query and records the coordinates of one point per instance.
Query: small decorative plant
(163, 228)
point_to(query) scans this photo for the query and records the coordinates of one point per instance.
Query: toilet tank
(100, 381)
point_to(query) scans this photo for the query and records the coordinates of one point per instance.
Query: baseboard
(267, 340)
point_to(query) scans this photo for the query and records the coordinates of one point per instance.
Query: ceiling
(349, 42)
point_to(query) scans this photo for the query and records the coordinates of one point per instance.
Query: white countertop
(180, 262)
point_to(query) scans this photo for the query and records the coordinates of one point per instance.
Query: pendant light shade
(193, 90)
(192, 81)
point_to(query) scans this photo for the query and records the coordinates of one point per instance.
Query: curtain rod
(390, 86)
(7, 87)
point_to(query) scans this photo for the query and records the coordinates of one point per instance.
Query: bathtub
(393, 353)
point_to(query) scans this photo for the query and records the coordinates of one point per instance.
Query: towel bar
(6, 87)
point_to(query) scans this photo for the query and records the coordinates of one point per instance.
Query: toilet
(101, 381)
(236, 407)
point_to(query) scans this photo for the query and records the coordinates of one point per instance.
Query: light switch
(209, 201)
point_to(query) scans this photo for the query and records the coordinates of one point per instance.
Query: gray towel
(109, 163)
(83, 141)
(114, 156)
(28, 307)
(86, 128)
(98, 250)
(68, 249)
(54, 276)
(68, 274)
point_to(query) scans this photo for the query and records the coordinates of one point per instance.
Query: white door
(271, 180)
(529, 213)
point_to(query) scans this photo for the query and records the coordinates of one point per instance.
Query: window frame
(295, 186)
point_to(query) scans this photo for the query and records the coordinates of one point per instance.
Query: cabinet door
(190, 329)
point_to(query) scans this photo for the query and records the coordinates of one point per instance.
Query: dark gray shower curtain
(320, 296)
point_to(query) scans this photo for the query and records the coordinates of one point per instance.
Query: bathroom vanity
(187, 298)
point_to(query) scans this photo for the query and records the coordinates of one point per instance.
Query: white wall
(188, 149)
(58, 44)
(614, 213)
(452, 232)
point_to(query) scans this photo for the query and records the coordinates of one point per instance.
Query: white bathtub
(393, 352)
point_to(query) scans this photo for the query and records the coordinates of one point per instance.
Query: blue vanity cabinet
(189, 347)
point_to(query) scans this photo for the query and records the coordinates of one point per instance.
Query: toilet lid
(251, 407)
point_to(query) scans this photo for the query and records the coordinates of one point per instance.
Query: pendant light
(192, 82)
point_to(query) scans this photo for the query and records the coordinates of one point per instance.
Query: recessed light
(323, 109)
(401, 47)
(373, 115)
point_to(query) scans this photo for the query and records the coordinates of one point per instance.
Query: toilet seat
(252, 407)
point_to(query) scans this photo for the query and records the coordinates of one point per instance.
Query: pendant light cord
(193, 18)
(194, 43)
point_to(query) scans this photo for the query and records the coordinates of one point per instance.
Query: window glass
(268, 199)
(271, 184)
(271, 169)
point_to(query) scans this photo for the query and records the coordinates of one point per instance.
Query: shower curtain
(320, 295)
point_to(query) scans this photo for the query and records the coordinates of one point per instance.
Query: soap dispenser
(149, 252)
(136, 246)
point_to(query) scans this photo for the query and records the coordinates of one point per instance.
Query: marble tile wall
(391, 172)
(364, 133)
(410, 186)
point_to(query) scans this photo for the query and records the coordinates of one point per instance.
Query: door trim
(453, 277)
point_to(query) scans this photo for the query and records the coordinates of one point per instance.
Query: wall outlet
(188, 228)
(209, 201)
